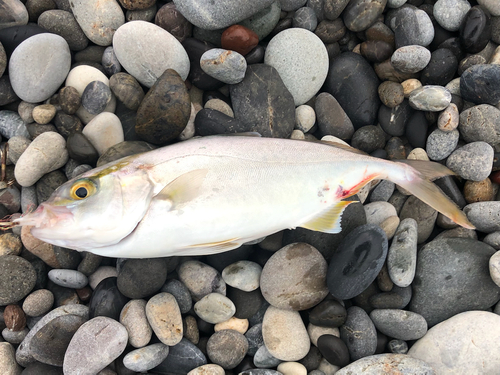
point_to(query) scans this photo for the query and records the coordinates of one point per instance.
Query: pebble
(38, 302)
(227, 348)
(409, 85)
(423, 214)
(305, 18)
(455, 334)
(96, 97)
(145, 51)
(377, 212)
(449, 14)
(210, 369)
(391, 94)
(448, 120)
(292, 368)
(333, 350)
(359, 333)
(100, 274)
(17, 279)
(38, 66)
(479, 84)
(357, 261)
(472, 161)
(80, 149)
(170, 19)
(239, 39)
(98, 20)
(305, 117)
(301, 60)
(493, 239)
(263, 358)
(441, 144)
(68, 278)
(492, 6)
(402, 254)
(430, 98)
(10, 244)
(361, 14)
(133, 318)
(451, 267)
(383, 363)
(63, 23)
(328, 313)
(226, 66)
(69, 99)
(475, 29)
(244, 275)
(14, 318)
(494, 267)
(106, 300)
(400, 324)
(484, 216)
(140, 278)
(182, 358)
(214, 308)
(410, 59)
(8, 363)
(165, 318)
(238, 325)
(127, 90)
(315, 332)
(294, 277)
(331, 118)
(146, 358)
(479, 191)
(200, 279)
(285, 335)
(165, 110)
(368, 138)
(95, 345)
(480, 123)
(14, 337)
(412, 27)
(43, 114)
(219, 105)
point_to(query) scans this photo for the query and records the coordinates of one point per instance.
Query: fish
(212, 194)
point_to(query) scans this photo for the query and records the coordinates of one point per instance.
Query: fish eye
(81, 189)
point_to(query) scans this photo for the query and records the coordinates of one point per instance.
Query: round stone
(69, 99)
(305, 18)
(244, 275)
(449, 14)
(239, 38)
(38, 302)
(127, 90)
(38, 66)
(226, 66)
(411, 59)
(140, 278)
(359, 333)
(227, 348)
(430, 98)
(96, 97)
(165, 318)
(368, 138)
(334, 350)
(391, 93)
(377, 212)
(14, 318)
(68, 278)
(472, 161)
(42, 114)
(484, 215)
(441, 144)
(17, 279)
(146, 358)
(301, 59)
(292, 368)
(146, 51)
(214, 308)
(133, 317)
(305, 117)
(480, 123)
(106, 300)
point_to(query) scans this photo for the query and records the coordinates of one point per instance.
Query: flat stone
(328, 313)
(146, 358)
(475, 30)
(412, 26)
(382, 363)
(146, 51)
(472, 161)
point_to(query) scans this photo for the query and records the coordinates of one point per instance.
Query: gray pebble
(38, 302)
(441, 144)
(291, 5)
(391, 93)
(449, 14)
(68, 278)
(473, 161)
(480, 123)
(110, 62)
(227, 348)
(11, 124)
(397, 346)
(359, 333)
(430, 98)
(224, 65)
(244, 275)
(17, 279)
(332, 119)
(493, 239)
(361, 14)
(485, 216)
(133, 317)
(181, 294)
(402, 255)
(400, 324)
(96, 97)
(63, 23)
(424, 215)
(382, 192)
(14, 337)
(214, 308)
(200, 279)
(494, 267)
(264, 359)
(254, 338)
(305, 18)
(411, 59)
(146, 358)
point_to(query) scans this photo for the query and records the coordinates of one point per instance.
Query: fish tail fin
(415, 177)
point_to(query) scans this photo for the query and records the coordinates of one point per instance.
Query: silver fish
(212, 194)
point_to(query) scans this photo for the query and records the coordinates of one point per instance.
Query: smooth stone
(285, 335)
(377, 212)
(400, 324)
(96, 344)
(181, 294)
(410, 59)
(42, 114)
(240, 39)
(397, 346)
(165, 110)
(63, 23)
(10, 244)
(227, 348)
(451, 267)
(331, 118)
(484, 216)
(430, 98)
(146, 358)
(475, 29)
(315, 332)
(263, 102)
(292, 368)
(165, 318)
(244, 275)
(66, 124)
(305, 18)
(480, 123)
(127, 90)
(448, 120)
(333, 350)
(224, 65)
(423, 214)
(96, 97)
(441, 68)
(12, 125)
(14, 318)
(263, 358)
(37, 368)
(382, 192)
(140, 278)
(17, 145)
(68, 278)
(181, 359)
(412, 26)
(357, 261)
(238, 325)
(213, 16)
(329, 313)
(38, 302)
(294, 277)
(195, 49)
(170, 19)
(452, 338)
(359, 333)
(14, 337)
(17, 279)
(361, 14)
(441, 144)
(347, 73)
(106, 299)
(494, 267)
(480, 84)
(98, 20)
(249, 305)
(479, 191)
(210, 369)
(449, 14)
(8, 363)
(219, 105)
(376, 51)
(50, 343)
(200, 279)
(305, 117)
(368, 138)
(292, 53)
(214, 308)
(255, 339)
(402, 254)
(391, 93)
(387, 363)
(46, 186)
(38, 66)
(80, 149)
(104, 131)
(100, 274)
(14, 13)
(133, 317)
(472, 161)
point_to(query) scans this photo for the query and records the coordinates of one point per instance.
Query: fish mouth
(45, 216)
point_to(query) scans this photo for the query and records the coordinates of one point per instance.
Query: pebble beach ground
(401, 289)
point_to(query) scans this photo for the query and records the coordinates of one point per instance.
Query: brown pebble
(376, 50)
(43, 250)
(495, 177)
(384, 282)
(479, 191)
(15, 319)
(239, 38)
(84, 294)
(137, 4)
(170, 19)
(10, 244)
(391, 93)
(191, 331)
(409, 85)
(69, 99)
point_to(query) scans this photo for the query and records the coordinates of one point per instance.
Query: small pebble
(227, 348)
(472, 161)
(430, 98)
(315, 332)
(68, 278)
(226, 66)
(146, 358)
(133, 317)
(38, 302)
(214, 308)
(239, 38)
(292, 368)
(440, 144)
(448, 119)
(305, 117)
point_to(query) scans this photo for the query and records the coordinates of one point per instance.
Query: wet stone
(472, 161)
(107, 300)
(17, 279)
(359, 334)
(227, 348)
(165, 318)
(224, 65)
(146, 358)
(480, 84)
(441, 144)
(430, 98)
(68, 278)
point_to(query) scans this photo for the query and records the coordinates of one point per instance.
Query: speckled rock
(146, 358)
(480, 123)
(441, 144)
(11, 124)
(17, 279)
(165, 318)
(244, 275)
(402, 254)
(485, 216)
(214, 308)
(449, 14)
(400, 324)
(359, 333)
(227, 348)
(387, 363)
(200, 279)
(8, 363)
(210, 369)
(410, 59)
(133, 317)
(68, 278)
(472, 161)
(226, 66)
(127, 90)
(430, 98)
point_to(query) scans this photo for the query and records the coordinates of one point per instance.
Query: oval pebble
(200, 279)
(95, 97)
(473, 161)
(292, 368)
(226, 66)
(165, 318)
(38, 302)
(146, 358)
(244, 275)
(359, 333)
(181, 294)
(400, 324)
(402, 254)
(227, 348)
(263, 358)
(8, 363)
(430, 98)
(485, 216)
(441, 144)
(100, 274)
(68, 278)
(480, 123)
(17, 279)
(141, 278)
(214, 308)
(134, 319)
(480, 84)
(238, 325)
(210, 369)
(104, 131)
(449, 14)
(333, 350)
(410, 59)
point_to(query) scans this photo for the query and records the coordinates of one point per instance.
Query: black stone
(331, 118)
(212, 122)
(123, 149)
(17, 279)
(263, 102)
(258, 317)
(67, 124)
(255, 56)
(453, 44)
(480, 84)
(127, 118)
(36, 129)
(11, 37)
(227, 348)
(359, 333)
(393, 120)
(329, 313)
(41, 273)
(357, 261)
(67, 258)
(7, 94)
(140, 278)
(195, 49)
(334, 350)
(376, 50)
(182, 358)
(181, 294)
(395, 149)
(107, 300)
(48, 184)
(80, 149)
(247, 303)
(62, 295)
(49, 344)
(416, 129)
(441, 68)
(347, 75)
(312, 359)
(475, 29)
(90, 263)
(368, 138)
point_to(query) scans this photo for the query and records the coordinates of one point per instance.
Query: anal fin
(328, 221)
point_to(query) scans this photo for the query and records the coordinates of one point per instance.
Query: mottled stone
(227, 348)
(226, 66)
(214, 308)
(480, 123)
(361, 14)
(472, 161)
(63, 23)
(479, 84)
(200, 279)
(127, 90)
(165, 318)
(38, 302)
(359, 333)
(69, 99)
(146, 358)
(387, 363)
(170, 19)
(430, 98)
(449, 14)
(17, 279)
(133, 317)
(484, 215)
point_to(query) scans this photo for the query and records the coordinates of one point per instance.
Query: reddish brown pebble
(14, 317)
(239, 38)
(84, 294)
(495, 177)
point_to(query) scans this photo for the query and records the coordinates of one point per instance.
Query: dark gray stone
(64, 24)
(359, 333)
(480, 123)
(181, 359)
(480, 84)
(181, 294)
(332, 120)
(140, 278)
(400, 324)
(17, 279)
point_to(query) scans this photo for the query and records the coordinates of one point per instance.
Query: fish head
(92, 211)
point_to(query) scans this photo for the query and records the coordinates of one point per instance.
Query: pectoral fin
(328, 221)
(184, 188)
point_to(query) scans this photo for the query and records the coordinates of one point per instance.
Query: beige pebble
(165, 318)
(43, 250)
(305, 117)
(42, 114)
(210, 369)
(479, 191)
(315, 332)
(297, 134)
(133, 318)
(292, 368)
(240, 325)
(10, 244)
(220, 105)
(409, 85)
(327, 367)
(448, 119)
(100, 274)
(389, 226)
(418, 154)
